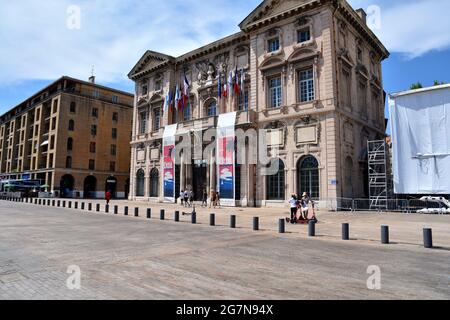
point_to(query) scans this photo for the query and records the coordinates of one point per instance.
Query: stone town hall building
(313, 80)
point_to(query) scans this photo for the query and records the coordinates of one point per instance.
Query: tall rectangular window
(114, 133)
(157, 119)
(303, 35)
(95, 112)
(306, 85)
(113, 150)
(115, 117)
(91, 164)
(115, 99)
(93, 130)
(96, 94)
(92, 147)
(274, 44)
(187, 112)
(112, 166)
(275, 92)
(143, 122)
(243, 100)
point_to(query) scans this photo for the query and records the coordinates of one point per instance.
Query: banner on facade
(226, 158)
(169, 162)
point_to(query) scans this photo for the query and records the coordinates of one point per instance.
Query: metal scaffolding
(378, 175)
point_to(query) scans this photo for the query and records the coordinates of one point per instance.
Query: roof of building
(415, 91)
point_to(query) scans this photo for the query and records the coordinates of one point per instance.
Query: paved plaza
(124, 257)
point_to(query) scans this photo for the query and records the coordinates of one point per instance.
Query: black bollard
(59, 203)
(89, 206)
(255, 223)
(312, 229)
(107, 208)
(125, 210)
(83, 205)
(40, 201)
(177, 216)
(97, 207)
(116, 209)
(345, 231)
(149, 213)
(281, 226)
(212, 219)
(385, 234)
(53, 203)
(136, 212)
(428, 238)
(64, 204)
(194, 218)
(76, 205)
(162, 214)
(233, 221)
(70, 204)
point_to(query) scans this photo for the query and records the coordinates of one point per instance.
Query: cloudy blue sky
(36, 47)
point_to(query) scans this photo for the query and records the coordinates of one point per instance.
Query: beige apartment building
(312, 81)
(72, 136)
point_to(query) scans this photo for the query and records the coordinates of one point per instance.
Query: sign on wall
(169, 162)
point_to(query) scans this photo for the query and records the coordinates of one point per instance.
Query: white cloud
(412, 27)
(37, 45)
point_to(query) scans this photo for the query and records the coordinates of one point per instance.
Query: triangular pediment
(149, 61)
(271, 8)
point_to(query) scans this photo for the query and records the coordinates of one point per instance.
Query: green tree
(415, 86)
(438, 83)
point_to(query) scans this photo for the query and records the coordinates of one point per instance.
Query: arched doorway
(154, 183)
(111, 186)
(275, 184)
(348, 180)
(308, 176)
(66, 185)
(140, 183)
(90, 187)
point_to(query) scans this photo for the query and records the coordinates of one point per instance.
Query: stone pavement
(134, 258)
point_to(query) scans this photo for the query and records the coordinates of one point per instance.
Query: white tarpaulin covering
(420, 124)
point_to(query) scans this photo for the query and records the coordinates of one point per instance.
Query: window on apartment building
(95, 112)
(55, 106)
(38, 114)
(113, 150)
(50, 161)
(69, 144)
(306, 85)
(92, 147)
(144, 89)
(73, 107)
(112, 166)
(303, 35)
(158, 84)
(93, 130)
(36, 130)
(143, 122)
(96, 94)
(114, 133)
(91, 164)
(345, 88)
(53, 126)
(52, 142)
(187, 112)
(275, 92)
(115, 117)
(274, 44)
(243, 100)
(71, 125)
(68, 162)
(211, 109)
(156, 119)
(115, 99)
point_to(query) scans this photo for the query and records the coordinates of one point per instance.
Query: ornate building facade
(312, 82)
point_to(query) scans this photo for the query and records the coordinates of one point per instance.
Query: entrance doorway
(111, 186)
(66, 185)
(90, 187)
(199, 179)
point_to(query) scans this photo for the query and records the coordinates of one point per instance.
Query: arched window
(154, 183)
(140, 181)
(69, 144)
(71, 125)
(276, 183)
(211, 109)
(69, 162)
(308, 176)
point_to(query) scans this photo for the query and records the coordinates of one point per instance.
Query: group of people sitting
(302, 209)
